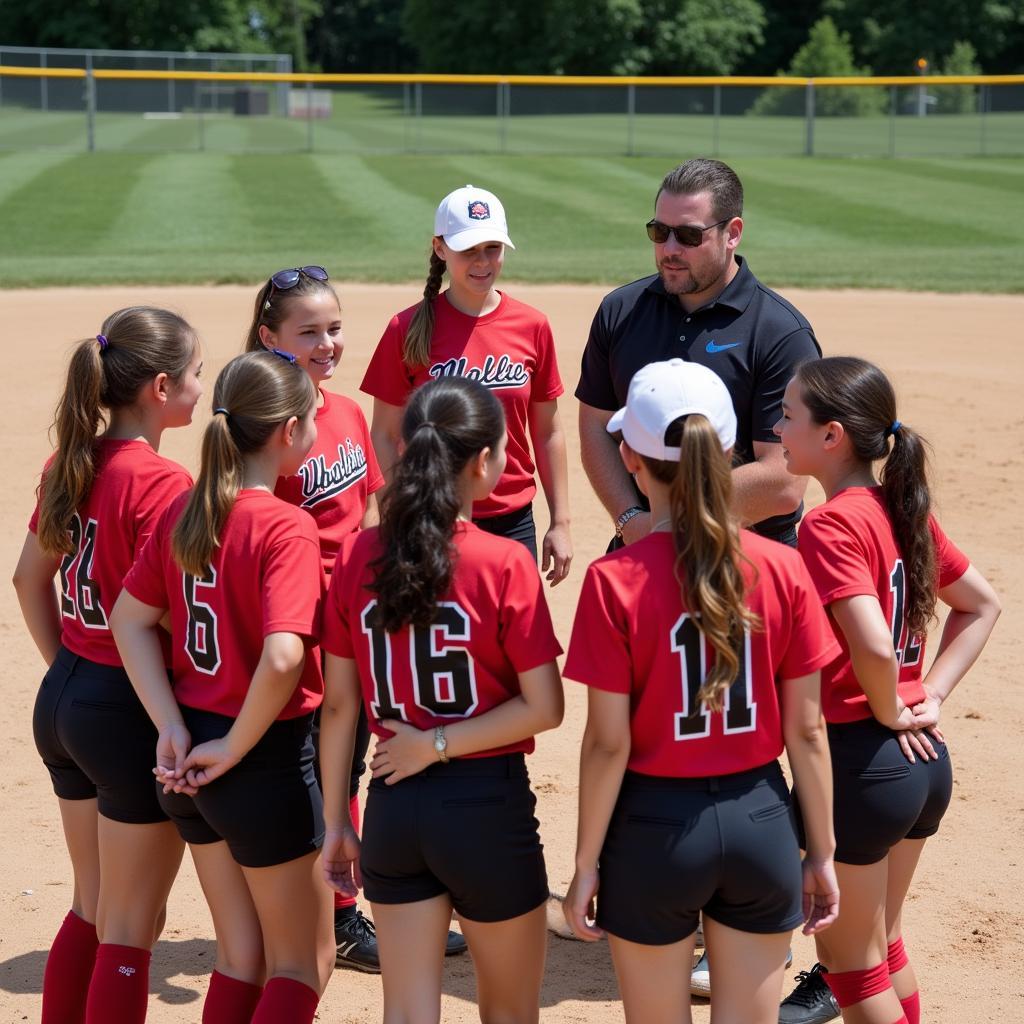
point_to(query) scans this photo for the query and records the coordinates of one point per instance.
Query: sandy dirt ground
(958, 366)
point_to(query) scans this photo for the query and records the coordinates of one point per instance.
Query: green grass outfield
(68, 217)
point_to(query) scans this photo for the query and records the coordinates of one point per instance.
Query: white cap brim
(463, 240)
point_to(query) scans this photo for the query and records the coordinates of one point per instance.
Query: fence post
(170, 87)
(417, 96)
(893, 105)
(405, 116)
(90, 105)
(630, 117)
(984, 98)
(508, 113)
(309, 115)
(201, 126)
(44, 86)
(716, 104)
(809, 114)
(499, 113)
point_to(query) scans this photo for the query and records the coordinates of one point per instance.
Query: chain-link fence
(94, 107)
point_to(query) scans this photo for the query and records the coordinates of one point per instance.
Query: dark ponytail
(137, 344)
(416, 350)
(446, 423)
(858, 395)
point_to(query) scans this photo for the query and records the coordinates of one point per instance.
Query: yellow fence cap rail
(540, 80)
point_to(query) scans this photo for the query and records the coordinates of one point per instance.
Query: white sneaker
(700, 976)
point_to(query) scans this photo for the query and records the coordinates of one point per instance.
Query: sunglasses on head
(285, 279)
(690, 235)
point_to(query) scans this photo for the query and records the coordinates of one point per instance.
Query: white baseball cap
(469, 216)
(660, 393)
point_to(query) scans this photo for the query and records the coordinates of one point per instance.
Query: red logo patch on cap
(479, 210)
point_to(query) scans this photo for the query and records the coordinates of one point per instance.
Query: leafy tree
(958, 99)
(892, 37)
(826, 53)
(260, 26)
(360, 35)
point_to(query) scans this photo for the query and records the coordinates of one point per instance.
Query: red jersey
(849, 548)
(491, 625)
(132, 487)
(338, 477)
(632, 634)
(509, 350)
(265, 577)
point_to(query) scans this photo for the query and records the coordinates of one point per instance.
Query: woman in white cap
(701, 646)
(473, 330)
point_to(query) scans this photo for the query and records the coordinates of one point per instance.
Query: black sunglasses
(685, 234)
(285, 279)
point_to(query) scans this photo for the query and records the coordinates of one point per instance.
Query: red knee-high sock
(912, 1008)
(852, 987)
(68, 971)
(897, 959)
(120, 986)
(230, 1001)
(353, 810)
(285, 1001)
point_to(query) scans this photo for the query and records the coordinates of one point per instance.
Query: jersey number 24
(80, 598)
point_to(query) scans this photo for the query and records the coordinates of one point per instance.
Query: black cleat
(356, 939)
(811, 1002)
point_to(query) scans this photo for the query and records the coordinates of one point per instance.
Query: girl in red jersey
(879, 561)
(99, 499)
(445, 629)
(473, 330)
(701, 646)
(238, 570)
(298, 312)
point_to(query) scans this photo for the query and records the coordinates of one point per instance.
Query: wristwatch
(441, 745)
(631, 513)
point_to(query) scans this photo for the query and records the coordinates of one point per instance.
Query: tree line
(596, 37)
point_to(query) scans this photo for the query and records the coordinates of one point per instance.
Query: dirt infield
(960, 375)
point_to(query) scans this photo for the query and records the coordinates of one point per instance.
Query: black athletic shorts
(359, 747)
(725, 845)
(466, 828)
(268, 808)
(96, 740)
(516, 525)
(878, 796)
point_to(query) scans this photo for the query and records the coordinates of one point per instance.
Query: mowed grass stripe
(166, 213)
(17, 170)
(69, 208)
(213, 217)
(856, 208)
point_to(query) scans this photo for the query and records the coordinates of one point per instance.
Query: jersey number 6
(201, 634)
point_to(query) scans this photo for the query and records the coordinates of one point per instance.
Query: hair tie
(895, 426)
(102, 339)
(220, 410)
(424, 423)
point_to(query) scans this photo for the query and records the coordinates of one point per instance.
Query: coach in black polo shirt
(705, 305)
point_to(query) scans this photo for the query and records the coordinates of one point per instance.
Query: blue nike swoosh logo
(713, 348)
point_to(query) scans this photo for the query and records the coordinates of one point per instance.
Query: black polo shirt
(750, 336)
